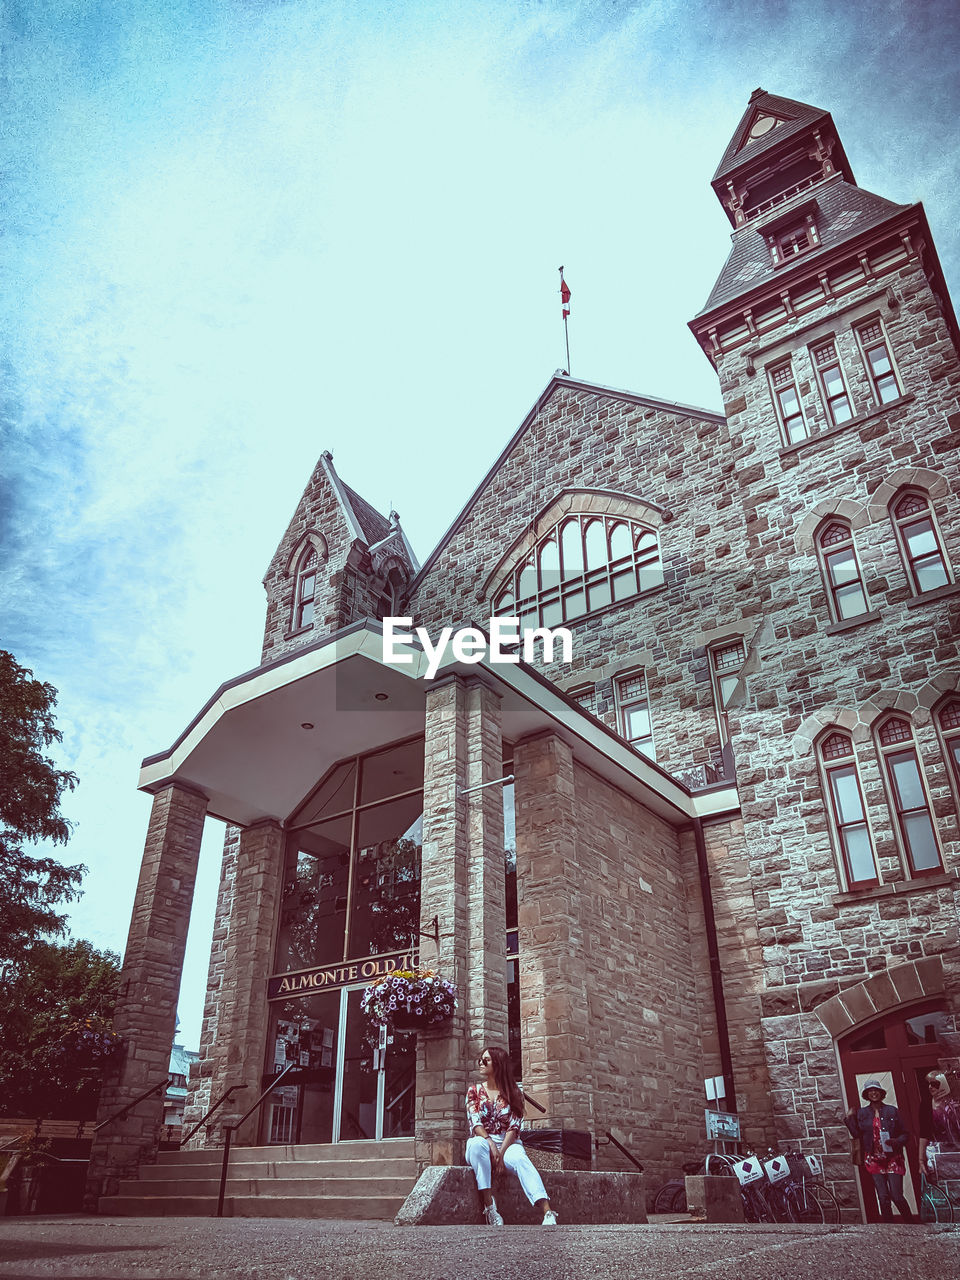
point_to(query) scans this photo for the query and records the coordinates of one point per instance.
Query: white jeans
(514, 1158)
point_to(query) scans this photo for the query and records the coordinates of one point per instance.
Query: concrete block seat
(356, 1180)
(448, 1194)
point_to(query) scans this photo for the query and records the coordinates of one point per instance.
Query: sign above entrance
(342, 973)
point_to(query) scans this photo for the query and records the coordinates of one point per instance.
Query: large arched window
(848, 818)
(584, 563)
(907, 792)
(920, 543)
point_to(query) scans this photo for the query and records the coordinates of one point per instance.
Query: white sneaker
(549, 1219)
(491, 1216)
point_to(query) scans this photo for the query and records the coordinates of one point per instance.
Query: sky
(239, 232)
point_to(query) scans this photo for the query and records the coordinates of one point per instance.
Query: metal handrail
(621, 1147)
(230, 1130)
(233, 1088)
(162, 1084)
(534, 1103)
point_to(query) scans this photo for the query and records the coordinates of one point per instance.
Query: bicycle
(935, 1204)
(801, 1196)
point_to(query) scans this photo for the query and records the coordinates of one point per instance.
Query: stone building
(721, 840)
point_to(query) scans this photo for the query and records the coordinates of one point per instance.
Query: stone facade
(655, 952)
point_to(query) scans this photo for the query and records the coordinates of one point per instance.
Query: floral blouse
(877, 1160)
(496, 1117)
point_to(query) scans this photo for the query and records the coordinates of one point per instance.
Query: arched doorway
(898, 1050)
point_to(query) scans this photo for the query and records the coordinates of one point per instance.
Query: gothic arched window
(848, 817)
(907, 791)
(305, 591)
(841, 571)
(949, 725)
(584, 563)
(920, 543)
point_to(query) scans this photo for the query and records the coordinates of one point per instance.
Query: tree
(55, 1008)
(30, 791)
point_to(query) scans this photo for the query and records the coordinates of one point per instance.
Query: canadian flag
(564, 295)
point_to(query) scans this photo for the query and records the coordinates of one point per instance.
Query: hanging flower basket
(410, 999)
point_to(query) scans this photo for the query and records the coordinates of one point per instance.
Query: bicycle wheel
(781, 1198)
(664, 1199)
(680, 1200)
(935, 1204)
(755, 1207)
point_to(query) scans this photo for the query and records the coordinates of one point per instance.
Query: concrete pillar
(238, 1052)
(462, 884)
(146, 1013)
(554, 1010)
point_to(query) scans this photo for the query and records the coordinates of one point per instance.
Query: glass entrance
(351, 892)
(379, 1080)
(349, 1082)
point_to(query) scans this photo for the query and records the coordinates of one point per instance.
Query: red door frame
(903, 1061)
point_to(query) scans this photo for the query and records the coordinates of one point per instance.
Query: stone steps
(352, 1180)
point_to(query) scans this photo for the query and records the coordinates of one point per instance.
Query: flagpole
(566, 320)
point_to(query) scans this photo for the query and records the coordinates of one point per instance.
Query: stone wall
(611, 1020)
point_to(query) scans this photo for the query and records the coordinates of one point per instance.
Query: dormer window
(799, 237)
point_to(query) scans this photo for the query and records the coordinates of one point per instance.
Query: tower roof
(844, 212)
(791, 118)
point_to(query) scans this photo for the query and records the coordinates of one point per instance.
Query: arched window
(907, 793)
(841, 571)
(848, 818)
(392, 593)
(920, 544)
(582, 564)
(305, 591)
(948, 722)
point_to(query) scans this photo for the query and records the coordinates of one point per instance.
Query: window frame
(821, 369)
(824, 554)
(949, 737)
(902, 523)
(906, 746)
(308, 565)
(799, 232)
(873, 380)
(625, 703)
(530, 592)
(787, 421)
(585, 696)
(837, 827)
(717, 676)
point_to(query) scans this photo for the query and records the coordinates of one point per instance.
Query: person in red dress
(882, 1137)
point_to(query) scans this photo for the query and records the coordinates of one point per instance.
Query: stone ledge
(447, 1194)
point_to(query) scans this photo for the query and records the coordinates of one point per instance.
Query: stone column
(238, 1053)
(555, 1016)
(462, 884)
(146, 1013)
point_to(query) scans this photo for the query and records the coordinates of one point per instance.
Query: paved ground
(270, 1249)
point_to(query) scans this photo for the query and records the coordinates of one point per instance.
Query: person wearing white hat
(882, 1139)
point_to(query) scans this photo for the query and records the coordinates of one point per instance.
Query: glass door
(378, 1080)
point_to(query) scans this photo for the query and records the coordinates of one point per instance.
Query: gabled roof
(575, 384)
(373, 525)
(843, 213)
(795, 117)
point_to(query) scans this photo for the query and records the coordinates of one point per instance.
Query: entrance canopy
(264, 739)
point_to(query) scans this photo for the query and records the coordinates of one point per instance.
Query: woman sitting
(495, 1113)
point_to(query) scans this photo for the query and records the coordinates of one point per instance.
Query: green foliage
(56, 1003)
(30, 792)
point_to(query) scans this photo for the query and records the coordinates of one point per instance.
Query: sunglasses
(484, 1062)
